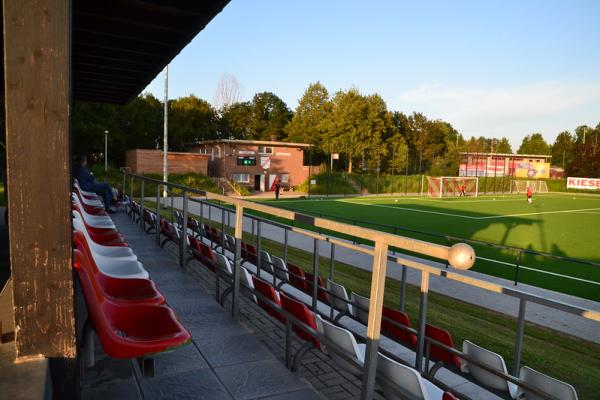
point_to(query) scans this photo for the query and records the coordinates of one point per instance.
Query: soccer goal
(450, 186)
(519, 186)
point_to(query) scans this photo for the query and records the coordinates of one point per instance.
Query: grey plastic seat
(345, 344)
(401, 382)
(246, 280)
(360, 308)
(490, 359)
(265, 262)
(280, 268)
(546, 384)
(339, 299)
(223, 264)
(229, 243)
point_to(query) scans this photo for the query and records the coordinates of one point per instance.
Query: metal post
(201, 218)
(223, 231)
(183, 249)
(315, 288)
(517, 267)
(519, 337)
(422, 318)
(166, 132)
(331, 273)
(158, 214)
(374, 321)
(258, 249)
(252, 233)
(105, 153)
(124, 184)
(172, 208)
(142, 207)
(285, 245)
(237, 267)
(403, 289)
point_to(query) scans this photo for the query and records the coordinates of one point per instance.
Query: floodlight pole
(105, 151)
(166, 131)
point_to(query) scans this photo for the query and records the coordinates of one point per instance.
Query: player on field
(529, 194)
(462, 188)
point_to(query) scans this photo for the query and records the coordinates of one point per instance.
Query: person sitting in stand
(87, 182)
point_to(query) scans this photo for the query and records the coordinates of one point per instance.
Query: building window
(265, 150)
(241, 178)
(203, 150)
(285, 178)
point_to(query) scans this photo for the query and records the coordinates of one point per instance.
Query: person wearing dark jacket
(87, 182)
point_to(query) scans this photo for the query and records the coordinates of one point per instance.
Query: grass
(564, 357)
(558, 224)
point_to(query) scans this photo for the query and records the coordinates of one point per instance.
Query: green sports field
(559, 224)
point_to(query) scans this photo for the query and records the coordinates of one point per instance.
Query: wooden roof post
(37, 82)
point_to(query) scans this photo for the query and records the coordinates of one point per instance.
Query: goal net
(451, 186)
(519, 186)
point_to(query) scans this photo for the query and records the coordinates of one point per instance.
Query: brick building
(144, 161)
(256, 164)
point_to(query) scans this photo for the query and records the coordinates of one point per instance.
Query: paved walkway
(224, 361)
(538, 314)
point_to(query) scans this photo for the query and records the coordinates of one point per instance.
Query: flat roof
(120, 46)
(506, 154)
(251, 142)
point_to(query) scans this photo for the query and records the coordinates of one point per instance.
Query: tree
(502, 146)
(562, 150)
(227, 93)
(356, 126)
(235, 120)
(586, 160)
(310, 117)
(191, 119)
(534, 144)
(399, 153)
(269, 116)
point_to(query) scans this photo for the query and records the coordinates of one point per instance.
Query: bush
(389, 183)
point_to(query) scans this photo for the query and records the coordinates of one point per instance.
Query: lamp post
(105, 152)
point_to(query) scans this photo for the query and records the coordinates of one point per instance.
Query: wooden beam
(37, 82)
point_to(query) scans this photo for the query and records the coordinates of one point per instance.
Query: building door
(263, 178)
(257, 182)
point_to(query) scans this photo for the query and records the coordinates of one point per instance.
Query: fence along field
(562, 226)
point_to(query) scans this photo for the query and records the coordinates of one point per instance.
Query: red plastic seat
(394, 332)
(321, 293)
(250, 254)
(297, 278)
(436, 352)
(203, 253)
(301, 312)
(121, 291)
(90, 209)
(264, 288)
(133, 330)
(168, 230)
(194, 225)
(449, 396)
(91, 229)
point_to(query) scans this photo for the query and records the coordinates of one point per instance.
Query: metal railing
(382, 241)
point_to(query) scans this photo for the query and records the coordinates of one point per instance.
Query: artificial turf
(562, 225)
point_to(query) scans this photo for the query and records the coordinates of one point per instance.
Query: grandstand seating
(265, 262)
(401, 382)
(360, 307)
(150, 219)
(118, 290)
(203, 253)
(344, 350)
(169, 231)
(545, 384)
(125, 308)
(491, 360)
(301, 312)
(438, 353)
(297, 278)
(395, 332)
(268, 292)
(195, 227)
(280, 268)
(321, 293)
(339, 299)
(106, 238)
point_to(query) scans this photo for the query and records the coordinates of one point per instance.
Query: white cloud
(549, 107)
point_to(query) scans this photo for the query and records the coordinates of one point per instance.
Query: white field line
(540, 271)
(539, 213)
(410, 209)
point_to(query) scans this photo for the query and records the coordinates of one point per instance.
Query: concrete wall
(151, 161)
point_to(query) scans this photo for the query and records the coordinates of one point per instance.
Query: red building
(257, 164)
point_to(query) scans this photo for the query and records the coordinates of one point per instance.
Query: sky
(492, 68)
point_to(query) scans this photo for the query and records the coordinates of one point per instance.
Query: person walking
(277, 189)
(529, 194)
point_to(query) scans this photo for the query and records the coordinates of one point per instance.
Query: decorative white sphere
(461, 256)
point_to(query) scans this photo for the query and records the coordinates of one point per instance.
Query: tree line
(367, 136)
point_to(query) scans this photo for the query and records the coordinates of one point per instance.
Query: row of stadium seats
(473, 362)
(126, 309)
